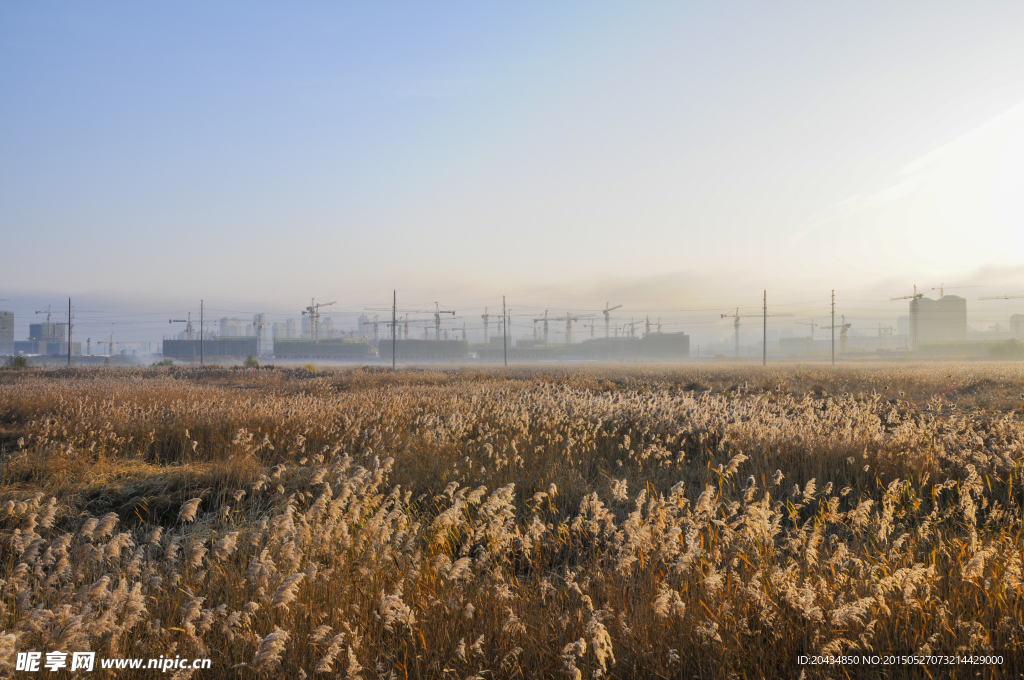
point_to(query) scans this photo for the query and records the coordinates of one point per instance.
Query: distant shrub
(250, 362)
(310, 367)
(1011, 349)
(165, 362)
(16, 362)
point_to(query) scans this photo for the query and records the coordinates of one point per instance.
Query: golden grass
(612, 522)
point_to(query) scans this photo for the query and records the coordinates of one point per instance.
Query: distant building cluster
(321, 339)
(932, 327)
(44, 339)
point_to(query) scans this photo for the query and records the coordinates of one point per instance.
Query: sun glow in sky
(558, 154)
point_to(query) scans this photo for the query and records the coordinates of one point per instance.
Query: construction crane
(545, 320)
(376, 327)
(736, 316)
(486, 317)
(607, 311)
(842, 327)
(437, 312)
(569, 318)
(188, 326)
(437, 319)
(914, 306)
(812, 324)
(314, 315)
(46, 312)
(915, 296)
(109, 344)
(943, 287)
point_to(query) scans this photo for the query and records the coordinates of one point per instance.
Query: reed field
(608, 522)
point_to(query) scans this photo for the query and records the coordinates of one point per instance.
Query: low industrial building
(227, 348)
(332, 348)
(425, 350)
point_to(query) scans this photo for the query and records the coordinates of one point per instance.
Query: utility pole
(764, 341)
(833, 327)
(504, 330)
(202, 310)
(71, 330)
(394, 325)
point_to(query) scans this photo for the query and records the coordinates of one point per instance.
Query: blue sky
(670, 154)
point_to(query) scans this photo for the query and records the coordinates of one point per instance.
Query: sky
(667, 156)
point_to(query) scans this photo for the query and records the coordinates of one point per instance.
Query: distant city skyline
(663, 156)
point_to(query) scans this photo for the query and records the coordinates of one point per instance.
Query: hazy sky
(671, 154)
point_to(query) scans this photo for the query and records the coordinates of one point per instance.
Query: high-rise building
(6, 332)
(49, 332)
(290, 329)
(903, 325)
(231, 328)
(942, 320)
(1017, 326)
(261, 329)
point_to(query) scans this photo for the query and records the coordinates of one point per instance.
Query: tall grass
(600, 523)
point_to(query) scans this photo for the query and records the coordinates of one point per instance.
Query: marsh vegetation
(672, 522)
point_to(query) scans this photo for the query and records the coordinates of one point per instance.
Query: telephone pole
(394, 325)
(764, 341)
(71, 330)
(202, 309)
(833, 326)
(504, 330)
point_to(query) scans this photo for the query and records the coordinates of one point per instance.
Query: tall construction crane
(812, 324)
(631, 325)
(545, 320)
(736, 316)
(486, 317)
(187, 322)
(314, 316)
(607, 312)
(943, 288)
(437, 319)
(376, 327)
(569, 318)
(842, 327)
(915, 301)
(46, 312)
(109, 344)
(436, 312)
(915, 296)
